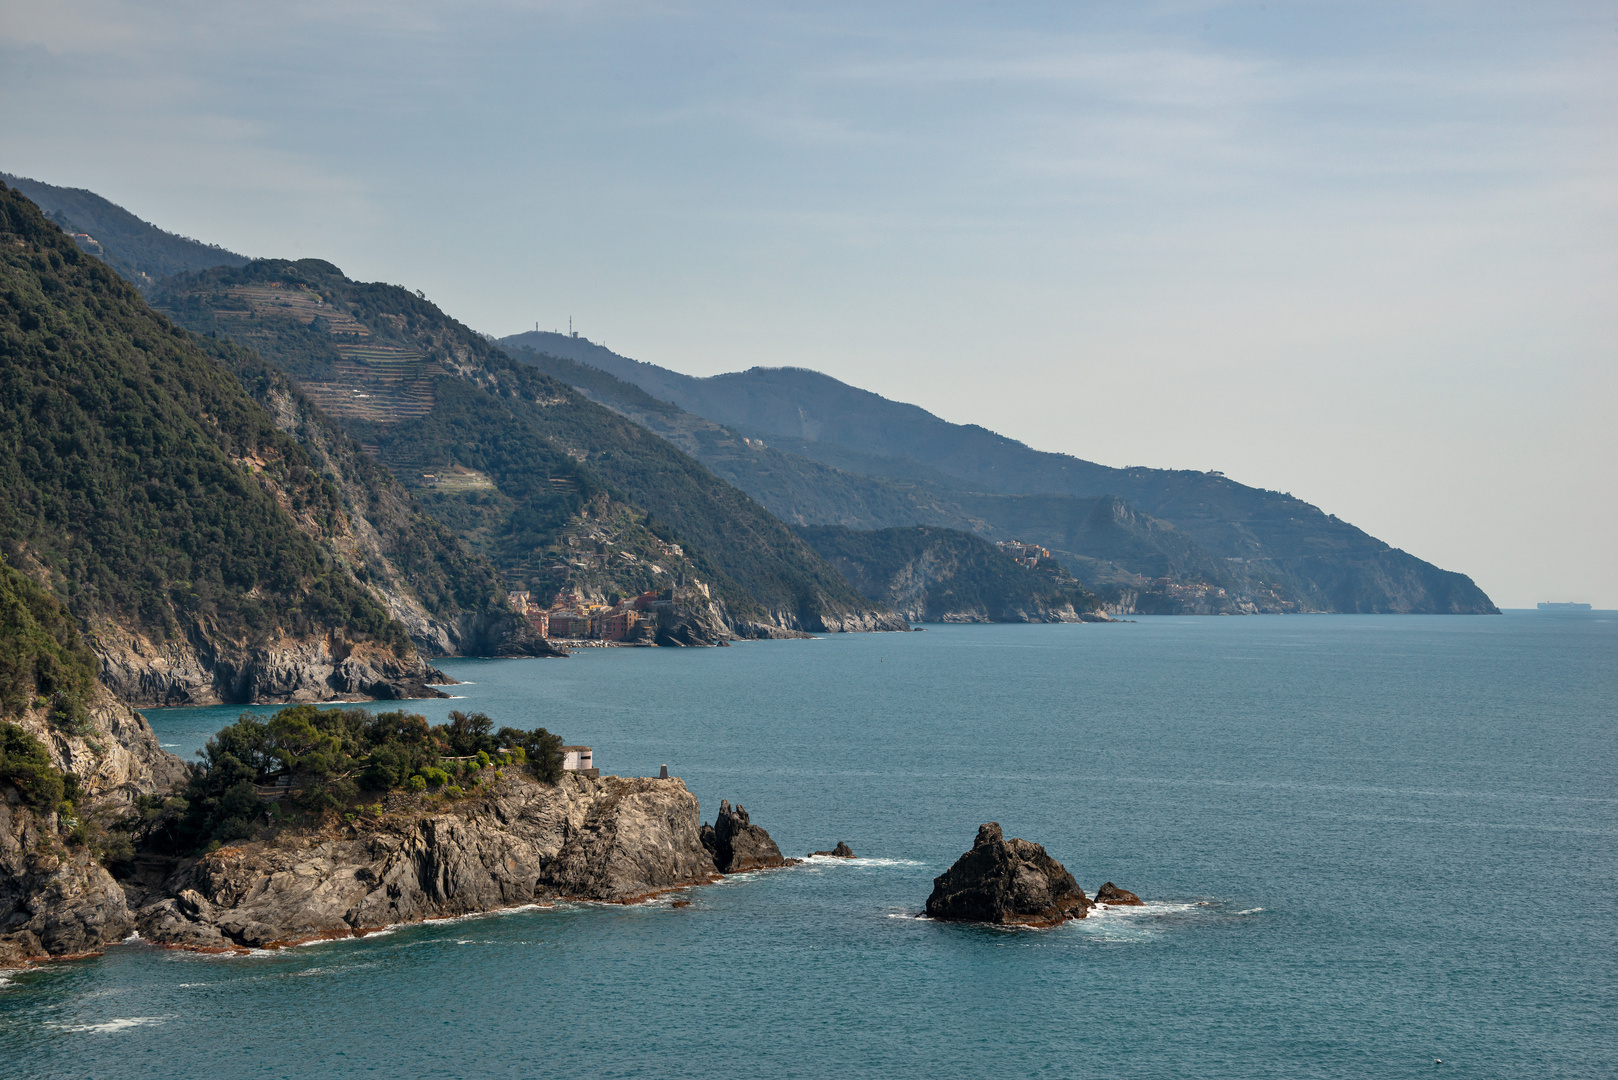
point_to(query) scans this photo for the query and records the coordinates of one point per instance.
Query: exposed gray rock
(610, 838)
(1112, 894)
(841, 851)
(183, 671)
(55, 900)
(737, 845)
(1007, 882)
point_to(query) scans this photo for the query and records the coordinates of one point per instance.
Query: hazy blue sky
(1362, 252)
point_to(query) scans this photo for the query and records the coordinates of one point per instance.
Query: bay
(1367, 843)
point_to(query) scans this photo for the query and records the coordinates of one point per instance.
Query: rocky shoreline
(608, 839)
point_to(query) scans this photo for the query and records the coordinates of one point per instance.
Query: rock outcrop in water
(1116, 897)
(613, 839)
(737, 845)
(1007, 882)
(841, 851)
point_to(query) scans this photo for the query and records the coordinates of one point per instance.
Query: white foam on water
(833, 860)
(168, 745)
(1250, 911)
(1149, 909)
(123, 1023)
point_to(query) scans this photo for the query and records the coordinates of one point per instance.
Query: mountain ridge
(548, 484)
(1286, 553)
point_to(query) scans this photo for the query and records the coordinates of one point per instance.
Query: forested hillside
(142, 485)
(140, 252)
(1279, 552)
(451, 601)
(557, 491)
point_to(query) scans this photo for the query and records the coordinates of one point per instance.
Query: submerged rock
(1007, 882)
(736, 844)
(841, 851)
(1112, 894)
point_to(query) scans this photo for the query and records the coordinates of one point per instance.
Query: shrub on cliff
(26, 765)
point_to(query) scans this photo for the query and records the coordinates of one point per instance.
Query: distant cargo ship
(1564, 607)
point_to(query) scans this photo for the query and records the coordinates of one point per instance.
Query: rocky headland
(608, 839)
(1008, 883)
(56, 899)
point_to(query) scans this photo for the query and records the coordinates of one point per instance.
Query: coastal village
(571, 618)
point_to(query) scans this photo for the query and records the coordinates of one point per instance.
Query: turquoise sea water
(1368, 843)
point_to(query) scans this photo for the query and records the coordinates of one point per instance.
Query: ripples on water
(1365, 843)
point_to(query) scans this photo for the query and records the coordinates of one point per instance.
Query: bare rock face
(610, 838)
(737, 845)
(1007, 882)
(202, 672)
(1113, 895)
(841, 851)
(54, 899)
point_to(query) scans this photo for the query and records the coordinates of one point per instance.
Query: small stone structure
(579, 759)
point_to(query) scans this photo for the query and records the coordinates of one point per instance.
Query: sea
(1370, 846)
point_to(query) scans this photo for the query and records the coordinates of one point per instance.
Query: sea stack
(1008, 883)
(841, 851)
(737, 845)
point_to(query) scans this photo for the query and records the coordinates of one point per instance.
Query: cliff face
(203, 670)
(450, 601)
(610, 839)
(931, 574)
(55, 899)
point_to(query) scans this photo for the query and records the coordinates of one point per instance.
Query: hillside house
(616, 625)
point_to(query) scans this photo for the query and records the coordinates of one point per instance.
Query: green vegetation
(326, 758)
(894, 464)
(138, 251)
(933, 573)
(26, 765)
(43, 661)
(140, 477)
(418, 553)
(559, 463)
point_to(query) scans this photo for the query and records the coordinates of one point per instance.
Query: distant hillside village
(572, 618)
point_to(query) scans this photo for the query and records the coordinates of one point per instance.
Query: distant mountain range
(317, 481)
(818, 451)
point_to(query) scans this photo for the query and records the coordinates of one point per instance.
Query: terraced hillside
(571, 488)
